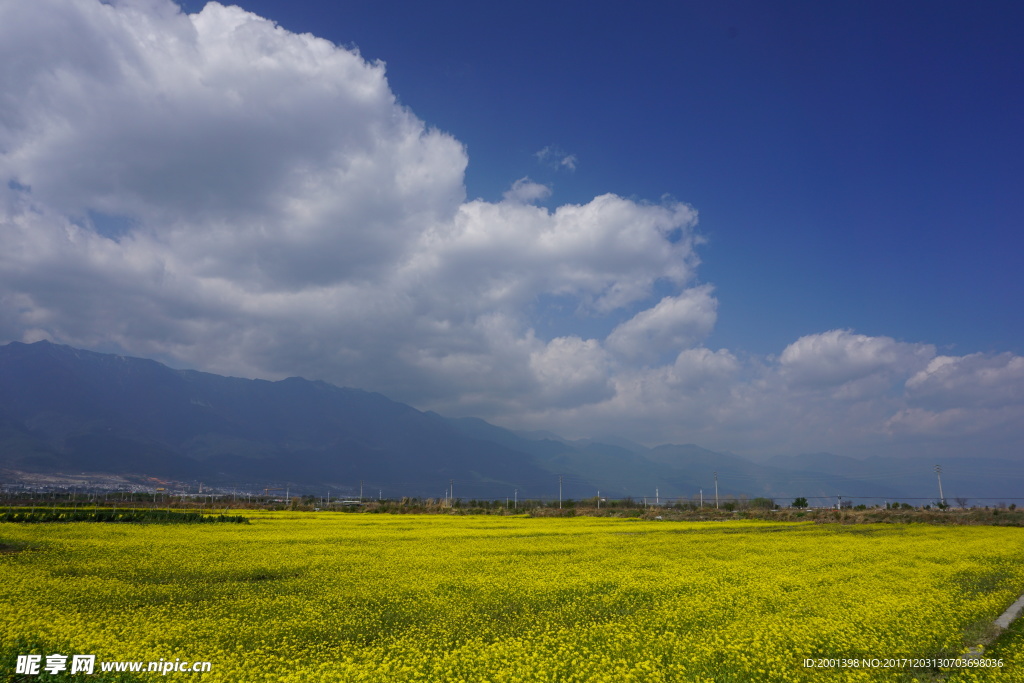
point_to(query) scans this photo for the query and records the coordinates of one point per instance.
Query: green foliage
(133, 515)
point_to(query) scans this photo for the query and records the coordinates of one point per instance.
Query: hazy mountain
(614, 440)
(674, 471)
(63, 409)
(67, 410)
(981, 480)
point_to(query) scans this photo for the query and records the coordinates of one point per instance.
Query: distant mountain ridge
(64, 409)
(68, 410)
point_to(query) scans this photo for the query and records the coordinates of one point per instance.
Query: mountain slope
(66, 409)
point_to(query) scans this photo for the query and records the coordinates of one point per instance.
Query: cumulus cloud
(977, 379)
(277, 210)
(244, 149)
(526, 191)
(572, 371)
(700, 368)
(675, 323)
(213, 190)
(964, 395)
(840, 357)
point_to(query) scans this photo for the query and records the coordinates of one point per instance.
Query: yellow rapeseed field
(358, 597)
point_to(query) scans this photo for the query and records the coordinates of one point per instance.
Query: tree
(800, 503)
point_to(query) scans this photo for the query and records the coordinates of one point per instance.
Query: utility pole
(938, 473)
(702, 499)
(599, 499)
(657, 497)
(716, 490)
(451, 487)
(559, 491)
(516, 500)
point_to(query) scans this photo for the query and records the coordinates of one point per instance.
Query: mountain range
(67, 410)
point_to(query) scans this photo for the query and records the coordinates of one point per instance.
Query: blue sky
(855, 164)
(759, 227)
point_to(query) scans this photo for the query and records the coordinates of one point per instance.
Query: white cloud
(571, 371)
(839, 357)
(557, 158)
(675, 323)
(701, 368)
(280, 212)
(214, 190)
(244, 149)
(975, 380)
(964, 395)
(607, 254)
(526, 191)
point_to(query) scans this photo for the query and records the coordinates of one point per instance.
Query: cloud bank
(213, 190)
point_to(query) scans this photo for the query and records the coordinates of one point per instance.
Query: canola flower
(374, 598)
